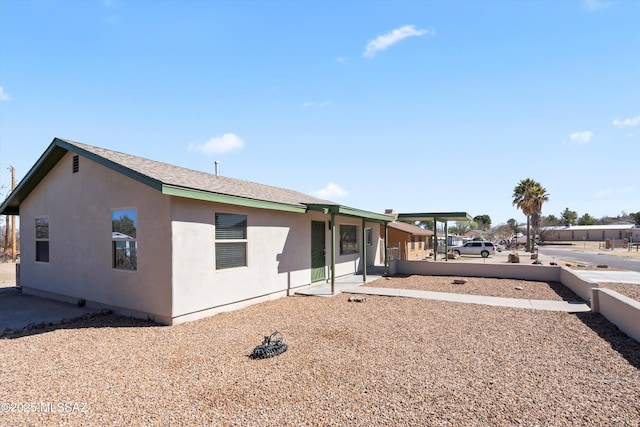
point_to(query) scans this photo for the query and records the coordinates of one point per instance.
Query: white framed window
(124, 239)
(230, 240)
(42, 239)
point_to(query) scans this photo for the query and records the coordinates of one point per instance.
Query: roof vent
(217, 167)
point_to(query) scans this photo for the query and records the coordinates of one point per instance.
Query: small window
(231, 240)
(413, 243)
(42, 239)
(76, 164)
(348, 239)
(124, 241)
(367, 236)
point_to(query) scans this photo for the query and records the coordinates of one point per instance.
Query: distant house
(157, 241)
(580, 233)
(408, 241)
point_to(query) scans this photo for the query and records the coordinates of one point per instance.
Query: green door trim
(318, 251)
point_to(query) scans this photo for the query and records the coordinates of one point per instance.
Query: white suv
(481, 248)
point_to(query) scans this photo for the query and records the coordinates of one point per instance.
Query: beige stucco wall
(176, 278)
(80, 266)
(278, 257)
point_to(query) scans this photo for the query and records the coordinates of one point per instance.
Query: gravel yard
(385, 361)
(629, 290)
(506, 288)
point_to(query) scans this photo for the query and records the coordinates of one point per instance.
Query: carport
(436, 217)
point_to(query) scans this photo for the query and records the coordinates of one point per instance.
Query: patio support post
(364, 252)
(333, 253)
(446, 241)
(386, 248)
(435, 238)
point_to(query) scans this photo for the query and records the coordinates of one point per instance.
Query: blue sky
(419, 106)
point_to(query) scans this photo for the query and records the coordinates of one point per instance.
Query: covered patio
(435, 217)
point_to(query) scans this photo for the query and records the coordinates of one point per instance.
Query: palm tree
(529, 196)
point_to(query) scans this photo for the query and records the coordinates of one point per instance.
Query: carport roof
(435, 216)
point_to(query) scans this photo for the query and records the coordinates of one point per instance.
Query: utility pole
(6, 237)
(13, 217)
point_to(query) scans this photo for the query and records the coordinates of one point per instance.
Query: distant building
(590, 233)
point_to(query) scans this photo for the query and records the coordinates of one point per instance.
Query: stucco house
(157, 241)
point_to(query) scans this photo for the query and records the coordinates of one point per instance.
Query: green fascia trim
(191, 193)
(347, 211)
(46, 162)
(437, 216)
(52, 155)
(151, 182)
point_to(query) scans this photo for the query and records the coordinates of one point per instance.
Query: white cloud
(611, 192)
(330, 191)
(4, 96)
(219, 144)
(384, 41)
(635, 121)
(596, 4)
(603, 193)
(341, 59)
(627, 190)
(581, 137)
(316, 104)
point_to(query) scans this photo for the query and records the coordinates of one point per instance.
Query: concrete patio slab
(324, 289)
(565, 306)
(601, 276)
(18, 310)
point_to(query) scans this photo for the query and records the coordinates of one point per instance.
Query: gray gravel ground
(385, 361)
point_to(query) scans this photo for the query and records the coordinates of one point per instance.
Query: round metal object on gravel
(271, 346)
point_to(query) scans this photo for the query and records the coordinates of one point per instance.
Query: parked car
(482, 248)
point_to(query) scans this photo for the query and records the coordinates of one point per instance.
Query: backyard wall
(547, 273)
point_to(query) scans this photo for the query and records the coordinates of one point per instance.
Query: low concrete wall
(620, 310)
(547, 273)
(577, 284)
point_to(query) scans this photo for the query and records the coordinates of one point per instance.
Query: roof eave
(47, 161)
(435, 216)
(190, 193)
(347, 211)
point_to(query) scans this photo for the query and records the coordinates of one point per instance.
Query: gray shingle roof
(180, 182)
(188, 178)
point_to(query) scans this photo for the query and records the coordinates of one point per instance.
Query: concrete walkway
(353, 285)
(600, 276)
(566, 306)
(342, 283)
